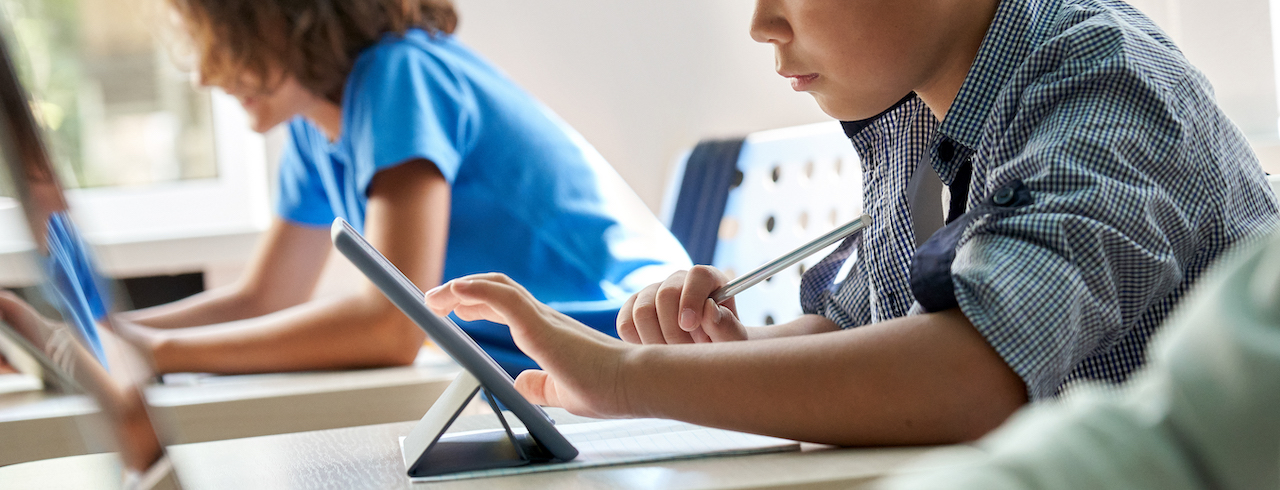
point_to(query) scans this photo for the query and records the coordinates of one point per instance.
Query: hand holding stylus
(697, 305)
(679, 310)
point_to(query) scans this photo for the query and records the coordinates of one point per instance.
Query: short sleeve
(301, 196)
(405, 102)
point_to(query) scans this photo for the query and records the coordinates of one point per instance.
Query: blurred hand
(679, 310)
(581, 367)
(142, 338)
(119, 399)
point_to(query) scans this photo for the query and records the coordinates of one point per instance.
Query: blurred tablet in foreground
(76, 349)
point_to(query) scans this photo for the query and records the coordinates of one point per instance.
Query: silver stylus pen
(787, 260)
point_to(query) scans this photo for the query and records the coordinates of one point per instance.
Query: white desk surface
(369, 457)
(201, 409)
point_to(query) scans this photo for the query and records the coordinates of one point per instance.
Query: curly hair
(258, 42)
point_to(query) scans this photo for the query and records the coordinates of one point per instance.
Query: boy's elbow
(979, 389)
(990, 404)
(983, 420)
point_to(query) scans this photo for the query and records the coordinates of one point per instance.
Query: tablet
(70, 349)
(446, 334)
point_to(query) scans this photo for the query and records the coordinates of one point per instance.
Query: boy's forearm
(805, 325)
(916, 380)
(346, 332)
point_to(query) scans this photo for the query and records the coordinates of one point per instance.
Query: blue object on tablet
(543, 442)
(74, 282)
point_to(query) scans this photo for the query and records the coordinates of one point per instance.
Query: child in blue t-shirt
(445, 165)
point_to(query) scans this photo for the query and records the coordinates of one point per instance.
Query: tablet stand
(428, 451)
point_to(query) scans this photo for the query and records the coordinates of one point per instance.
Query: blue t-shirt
(530, 197)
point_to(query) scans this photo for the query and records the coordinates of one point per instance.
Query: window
(144, 153)
(117, 112)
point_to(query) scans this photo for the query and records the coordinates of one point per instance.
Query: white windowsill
(159, 256)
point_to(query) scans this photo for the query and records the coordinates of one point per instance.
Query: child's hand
(121, 402)
(581, 367)
(680, 311)
(145, 340)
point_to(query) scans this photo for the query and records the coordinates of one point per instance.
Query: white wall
(641, 80)
(1231, 41)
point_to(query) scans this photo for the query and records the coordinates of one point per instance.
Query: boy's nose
(768, 24)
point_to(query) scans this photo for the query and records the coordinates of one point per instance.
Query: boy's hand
(581, 367)
(679, 310)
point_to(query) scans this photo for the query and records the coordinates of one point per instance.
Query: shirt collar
(1015, 31)
(852, 128)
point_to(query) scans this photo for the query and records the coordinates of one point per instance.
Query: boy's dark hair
(256, 42)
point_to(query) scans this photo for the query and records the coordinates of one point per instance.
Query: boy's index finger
(440, 299)
(699, 283)
(502, 295)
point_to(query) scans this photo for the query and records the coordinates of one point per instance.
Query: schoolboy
(1091, 180)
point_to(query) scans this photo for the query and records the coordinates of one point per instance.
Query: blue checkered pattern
(1139, 182)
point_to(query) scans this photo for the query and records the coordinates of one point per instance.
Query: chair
(791, 185)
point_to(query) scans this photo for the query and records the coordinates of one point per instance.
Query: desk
(369, 457)
(226, 407)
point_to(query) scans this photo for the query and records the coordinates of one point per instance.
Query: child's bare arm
(408, 219)
(916, 380)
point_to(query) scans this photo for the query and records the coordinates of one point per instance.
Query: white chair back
(797, 183)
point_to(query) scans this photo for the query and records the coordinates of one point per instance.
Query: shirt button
(1004, 196)
(946, 150)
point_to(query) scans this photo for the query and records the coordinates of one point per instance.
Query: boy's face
(856, 57)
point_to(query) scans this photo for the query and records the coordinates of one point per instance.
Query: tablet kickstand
(428, 451)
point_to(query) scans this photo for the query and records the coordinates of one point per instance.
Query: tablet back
(452, 339)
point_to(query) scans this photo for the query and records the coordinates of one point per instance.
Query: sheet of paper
(617, 442)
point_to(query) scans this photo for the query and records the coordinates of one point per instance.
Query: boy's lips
(799, 82)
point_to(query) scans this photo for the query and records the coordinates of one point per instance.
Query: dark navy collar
(852, 128)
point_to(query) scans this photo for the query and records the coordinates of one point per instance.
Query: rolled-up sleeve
(1112, 223)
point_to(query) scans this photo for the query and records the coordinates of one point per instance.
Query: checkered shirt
(1138, 182)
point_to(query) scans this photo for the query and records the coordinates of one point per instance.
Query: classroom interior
(172, 191)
